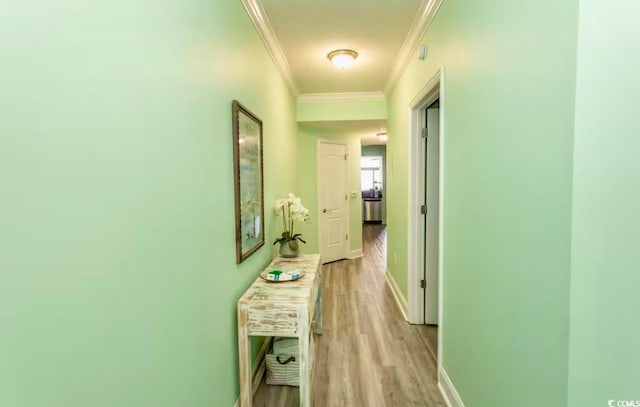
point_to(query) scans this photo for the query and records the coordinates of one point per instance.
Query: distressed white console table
(282, 309)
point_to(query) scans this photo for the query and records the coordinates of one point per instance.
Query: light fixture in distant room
(382, 136)
(342, 58)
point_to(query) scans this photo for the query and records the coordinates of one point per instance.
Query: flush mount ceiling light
(342, 58)
(382, 136)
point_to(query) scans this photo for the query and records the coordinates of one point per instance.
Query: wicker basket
(283, 364)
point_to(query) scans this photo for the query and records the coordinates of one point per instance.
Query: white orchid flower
(280, 204)
(291, 209)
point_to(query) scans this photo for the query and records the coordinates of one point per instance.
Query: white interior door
(431, 225)
(332, 200)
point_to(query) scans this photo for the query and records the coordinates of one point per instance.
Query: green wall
(119, 283)
(342, 110)
(604, 347)
(308, 159)
(382, 152)
(509, 107)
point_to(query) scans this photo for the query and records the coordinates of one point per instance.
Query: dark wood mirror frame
(249, 183)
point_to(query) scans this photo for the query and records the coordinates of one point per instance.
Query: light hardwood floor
(368, 355)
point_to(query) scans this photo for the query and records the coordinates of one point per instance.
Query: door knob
(324, 210)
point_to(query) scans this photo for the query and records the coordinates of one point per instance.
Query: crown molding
(260, 20)
(341, 97)
(423, 19)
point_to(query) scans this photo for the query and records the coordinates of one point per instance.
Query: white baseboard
(354, 254)
(448, 390)
(258, 371)
(397, 294)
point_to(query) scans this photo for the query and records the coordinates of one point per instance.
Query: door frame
(433, 90)
(347, 209)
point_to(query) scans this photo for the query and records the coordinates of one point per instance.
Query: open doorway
(374, 193)
(372, 185)
(426, 169)
(431, 225)
(430, 218)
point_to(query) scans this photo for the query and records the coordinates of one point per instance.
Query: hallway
(368, 355)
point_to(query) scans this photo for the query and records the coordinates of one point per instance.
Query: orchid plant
(291, 210)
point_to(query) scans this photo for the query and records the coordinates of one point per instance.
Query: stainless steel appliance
(372, 210)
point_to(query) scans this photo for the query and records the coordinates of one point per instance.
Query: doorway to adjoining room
(374, 195)
(426, 211)
(372, 187)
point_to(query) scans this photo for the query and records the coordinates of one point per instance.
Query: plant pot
(289, 248)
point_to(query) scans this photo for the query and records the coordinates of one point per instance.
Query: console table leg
(305, 357)
(244, 356)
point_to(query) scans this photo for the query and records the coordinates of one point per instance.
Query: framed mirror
(247, 169)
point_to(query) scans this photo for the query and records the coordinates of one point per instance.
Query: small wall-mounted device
(422, 52)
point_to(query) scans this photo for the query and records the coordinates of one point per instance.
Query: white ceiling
(307, 30)
(299, 34)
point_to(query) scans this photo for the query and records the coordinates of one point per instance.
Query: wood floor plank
(368, 355)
